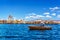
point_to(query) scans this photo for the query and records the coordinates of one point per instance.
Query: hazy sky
(30, 9)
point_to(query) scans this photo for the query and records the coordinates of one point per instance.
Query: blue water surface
(22, 32)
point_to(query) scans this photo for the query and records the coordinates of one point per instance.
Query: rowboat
(39, 28)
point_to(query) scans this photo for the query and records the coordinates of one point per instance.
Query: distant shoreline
(28, 22)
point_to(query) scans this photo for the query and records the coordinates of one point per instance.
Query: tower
(10, 19)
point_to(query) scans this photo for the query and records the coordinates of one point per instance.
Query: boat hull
(39, 28)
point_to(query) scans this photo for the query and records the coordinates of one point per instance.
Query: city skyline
(30, 9)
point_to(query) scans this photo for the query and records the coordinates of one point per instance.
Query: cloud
(46, 13)
(48, 16)
(31, 14)
(34, 16)
(53, 14)
(40, 16)
(26, 17)
(58, 16)
(54, 8)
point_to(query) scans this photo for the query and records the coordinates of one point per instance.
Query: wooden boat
(39, 28)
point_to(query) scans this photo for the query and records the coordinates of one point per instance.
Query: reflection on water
(22, 32)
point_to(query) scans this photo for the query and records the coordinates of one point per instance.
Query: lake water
(22, 32)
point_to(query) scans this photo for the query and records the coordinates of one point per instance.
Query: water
(22, 32)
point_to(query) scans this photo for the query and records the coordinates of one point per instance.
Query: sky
(30, 9)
